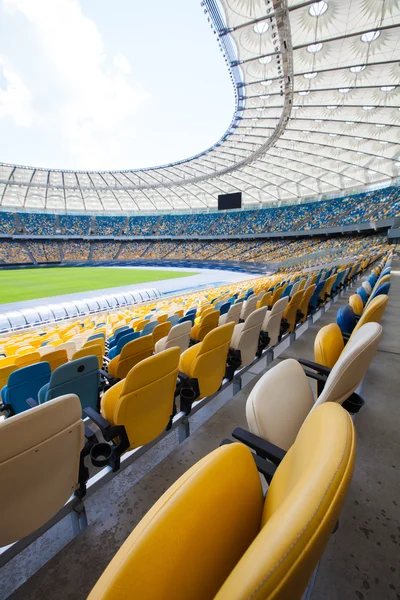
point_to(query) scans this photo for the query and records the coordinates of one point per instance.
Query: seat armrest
(96, 417)
(346, 336)
(315, 366)
(106, 375)
(31, 402)
(263, 448)
(316, 376)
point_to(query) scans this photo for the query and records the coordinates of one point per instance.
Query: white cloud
(97, 98)
(122, 63)
(15, 97)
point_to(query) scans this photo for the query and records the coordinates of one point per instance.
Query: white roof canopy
(317, 88)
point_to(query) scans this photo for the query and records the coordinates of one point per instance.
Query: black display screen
(229, 201)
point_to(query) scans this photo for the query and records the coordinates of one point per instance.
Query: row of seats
(377, 204)
(304, 448)
(270, 251)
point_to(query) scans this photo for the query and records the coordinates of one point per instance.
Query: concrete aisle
(362, 559)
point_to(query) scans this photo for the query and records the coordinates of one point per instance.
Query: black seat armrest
(314, 366)
(346, 336)
(317, 376)
(96, 417)
(262, 447)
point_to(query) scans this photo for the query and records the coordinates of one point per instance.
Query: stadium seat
(138, 408)
(356, 303)
(149, 327)
(305, 302)
(272, 322)
(79, 376)
(5, 373)
(69, 347)
(22, 385)
(245, 337)
(92, 350)
(56, 358)
(178, 336)
(173, 319)
(260, 548)
(205, 363)
(131, 354)
(280, 402)
(382, 289)
(315, 297)
(372, 313)
(40, 465)
(265, 300)
(27, 359)
(363, 294)
(128, 336)
(206, 323)
(248, 307)
(232, 316)
(290, 315)
(161, 330)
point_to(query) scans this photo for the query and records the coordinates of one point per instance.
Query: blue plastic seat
(173, 319)
(23, 384)
(382, 289)
(124, 339)
(192, 311)
(362, 293)
(346, 319)
(119, 336)
(148, 328)
(314, 298)
(286, 291)
(186, 318)
(96, 336)
(80, 377)
(224, 308)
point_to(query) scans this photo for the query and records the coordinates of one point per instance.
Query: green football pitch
(29, 284)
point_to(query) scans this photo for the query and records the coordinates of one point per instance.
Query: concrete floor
(362, 560)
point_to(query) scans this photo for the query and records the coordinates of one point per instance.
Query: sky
(109, 84)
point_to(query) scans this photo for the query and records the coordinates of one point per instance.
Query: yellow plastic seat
(92, 350)
(7, 361)
(27, 359)
(277, 294)
(356, 304)
(206, 361)
(265, 300)
(139, 325)
(5, 372)
(161, 330)
(205, 325)
(290, 313)
(305, 301)
(241, 546)
(131, 354)
(143, 402)
(373, 313)
(328, 345)
(56, 358)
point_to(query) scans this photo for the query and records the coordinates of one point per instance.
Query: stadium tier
(360, 208)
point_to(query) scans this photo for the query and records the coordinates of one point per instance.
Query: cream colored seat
(39, 464)
(232, 316)
(214, 527)
(282, 399)
(179, 335)
(273, 318)
(248, 307)
(246, 335)
(70, 347)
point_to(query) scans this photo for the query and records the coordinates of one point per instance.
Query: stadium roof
(317, 112)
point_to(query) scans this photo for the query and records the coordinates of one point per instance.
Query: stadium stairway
(361, 561)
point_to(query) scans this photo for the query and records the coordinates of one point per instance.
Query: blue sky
(101, 84)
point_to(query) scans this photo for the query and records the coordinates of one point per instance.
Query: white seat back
(70, 347)
(273, 318)
(179, 335)
(232, 316)
(39, 464)
(248, 307)
(352, 364)
(246, 335)
(279, 403)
